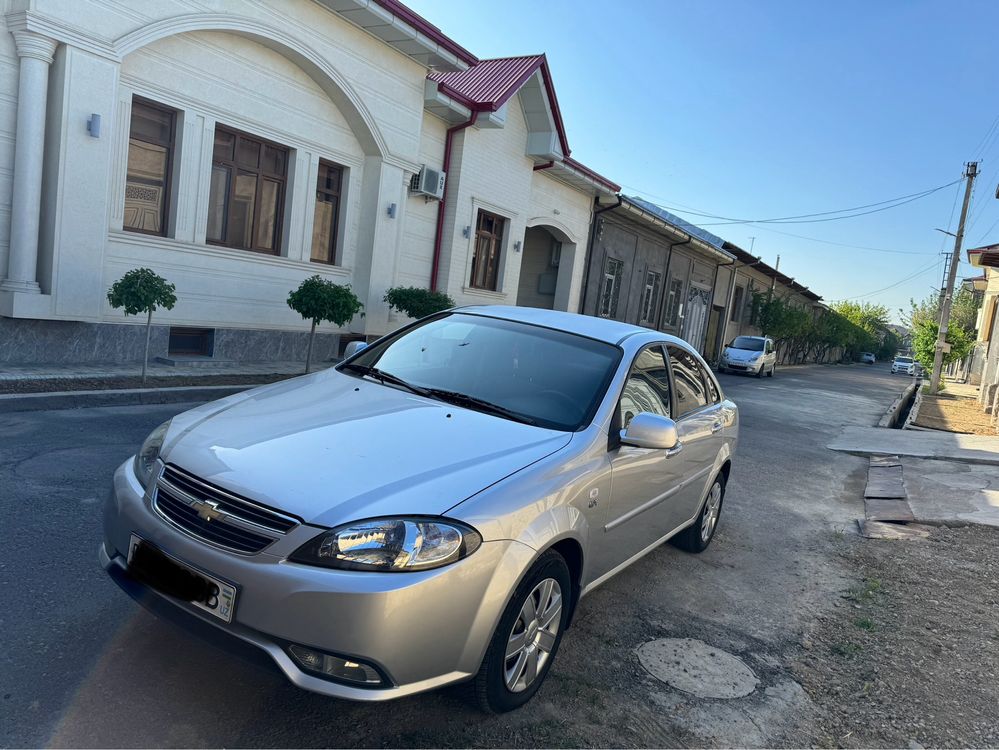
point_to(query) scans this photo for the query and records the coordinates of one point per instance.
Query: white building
(238, 146)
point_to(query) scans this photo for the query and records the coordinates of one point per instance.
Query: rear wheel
(527, 638)
(696, 537)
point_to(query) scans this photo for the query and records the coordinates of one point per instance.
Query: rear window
(748, 343)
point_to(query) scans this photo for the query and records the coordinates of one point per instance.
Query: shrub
(141, 290)
(318, 299)
(416, 302)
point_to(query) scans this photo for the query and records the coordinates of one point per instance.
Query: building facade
(239, 147)
(648, 267)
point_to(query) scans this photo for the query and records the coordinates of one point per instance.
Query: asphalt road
(81, 665)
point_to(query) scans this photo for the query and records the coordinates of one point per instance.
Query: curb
(15, 402)
(890, 418)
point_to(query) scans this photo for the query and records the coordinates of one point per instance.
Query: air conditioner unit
(429, 182)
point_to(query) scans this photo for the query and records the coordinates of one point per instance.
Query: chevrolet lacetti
(432, 509)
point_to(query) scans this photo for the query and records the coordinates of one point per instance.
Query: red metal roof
(487, 86)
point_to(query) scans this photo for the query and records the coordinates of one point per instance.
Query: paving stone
(887, 510)
(883, 530)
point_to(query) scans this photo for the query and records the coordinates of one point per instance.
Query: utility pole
(773, 281)
(970, 172)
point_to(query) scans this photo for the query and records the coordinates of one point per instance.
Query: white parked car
(867, 358)
(752, 354)
(905, 365)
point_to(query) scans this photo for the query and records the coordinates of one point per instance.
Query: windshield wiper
(478, 404)
(386, 377)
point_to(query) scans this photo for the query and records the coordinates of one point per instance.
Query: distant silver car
(867, 358)
(756, 355)
(905, 365)
(432, 509)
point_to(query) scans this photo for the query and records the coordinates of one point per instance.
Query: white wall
(492, 172)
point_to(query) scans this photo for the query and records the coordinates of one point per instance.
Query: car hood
(740, 354)
(332, 448)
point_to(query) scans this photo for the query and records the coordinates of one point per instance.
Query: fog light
(335, 666)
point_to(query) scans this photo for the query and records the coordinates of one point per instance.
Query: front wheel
(527, 638)
(696, 537)
(771, 373)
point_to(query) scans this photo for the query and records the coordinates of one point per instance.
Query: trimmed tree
(141, 290)
(416, 302)
(318, 299)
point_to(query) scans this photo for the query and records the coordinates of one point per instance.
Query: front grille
(216, 516)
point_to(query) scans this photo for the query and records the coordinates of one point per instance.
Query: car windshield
(904, 360)
(514, 370)
(748, 343)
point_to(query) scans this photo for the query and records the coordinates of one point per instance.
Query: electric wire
(805, 218)
(927, 269)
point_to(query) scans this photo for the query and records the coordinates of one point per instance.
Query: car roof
(602, 329)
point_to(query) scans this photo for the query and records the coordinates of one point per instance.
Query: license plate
(173, 578)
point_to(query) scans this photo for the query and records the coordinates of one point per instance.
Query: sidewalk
(156, 370)
(879, 441)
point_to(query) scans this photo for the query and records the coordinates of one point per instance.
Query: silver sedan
(433, 509)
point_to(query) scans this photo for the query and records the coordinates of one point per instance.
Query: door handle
(716, 426)
(675, 450)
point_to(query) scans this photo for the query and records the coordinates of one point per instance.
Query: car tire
(771, 373)
(759, 373)
(696, 537)
(491, 687)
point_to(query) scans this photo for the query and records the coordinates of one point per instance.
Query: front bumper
(734, 366)
(422, 630)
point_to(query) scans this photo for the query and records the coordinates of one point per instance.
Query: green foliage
(318, 299)
(801, 333)
(963, 310)
(416, 302)
(924, 342)
(141, 290)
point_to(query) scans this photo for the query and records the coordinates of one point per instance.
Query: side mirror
(647, 430)
(353, 348)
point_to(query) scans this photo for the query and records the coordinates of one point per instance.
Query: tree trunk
(308, 356)
(145, 353)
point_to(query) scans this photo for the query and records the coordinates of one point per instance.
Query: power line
(846, 245)
(988, 133)
(930, 267)
(804, 218)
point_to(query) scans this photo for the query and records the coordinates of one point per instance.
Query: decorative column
(35, 52)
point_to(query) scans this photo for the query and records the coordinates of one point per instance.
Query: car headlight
(145, 459)
(390, 545)
(756, 356)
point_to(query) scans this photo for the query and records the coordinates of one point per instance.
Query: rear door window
(689, 382)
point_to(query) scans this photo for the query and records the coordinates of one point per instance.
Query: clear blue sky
(775, 108)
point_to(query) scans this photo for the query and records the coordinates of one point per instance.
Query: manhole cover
(697, 668)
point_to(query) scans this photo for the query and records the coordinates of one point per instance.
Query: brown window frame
(496, 238)
(171, 147)
(235, 166)
(338, 194)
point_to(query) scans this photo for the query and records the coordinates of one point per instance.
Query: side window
(647, 387)
(150, 160)
(689, 380)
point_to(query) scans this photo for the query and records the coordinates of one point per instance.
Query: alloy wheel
(712, 509)
(533, 635)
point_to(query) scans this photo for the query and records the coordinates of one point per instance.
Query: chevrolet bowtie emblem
(207, 510)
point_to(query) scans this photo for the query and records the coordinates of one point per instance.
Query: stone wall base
(33, 342)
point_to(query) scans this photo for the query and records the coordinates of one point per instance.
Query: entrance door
(695, 320)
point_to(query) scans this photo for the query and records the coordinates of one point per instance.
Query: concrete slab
(867, 441)
(885, 461)
(887, 510)
(883, 530)
(884, 482)
(952, 492)
(697, 668)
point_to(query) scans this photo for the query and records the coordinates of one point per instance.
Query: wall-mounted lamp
(94, 126)
(467, 231)
(516, 246)
(391, 210)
